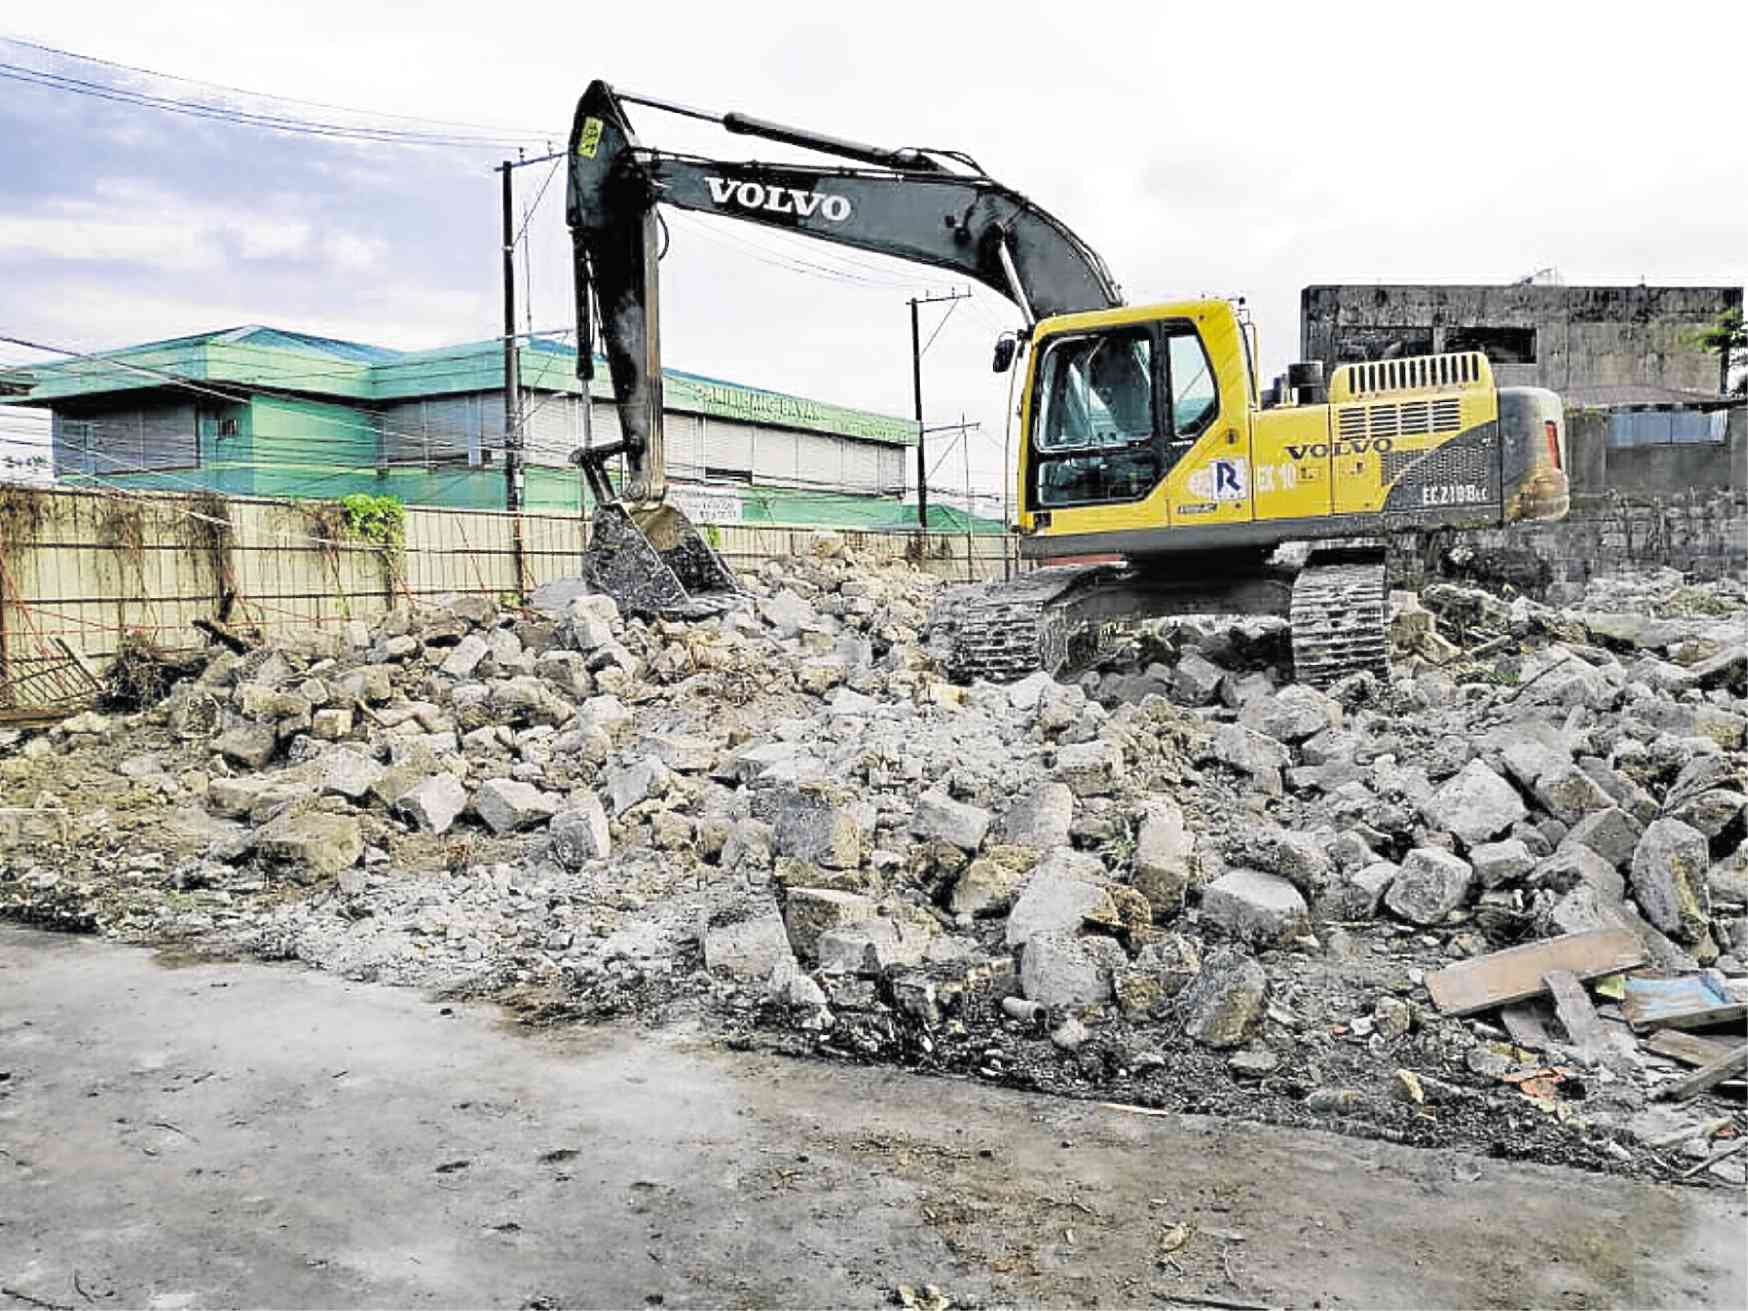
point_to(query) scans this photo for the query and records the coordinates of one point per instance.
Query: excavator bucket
(656, 564)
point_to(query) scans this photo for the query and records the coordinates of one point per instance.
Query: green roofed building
(256, 411)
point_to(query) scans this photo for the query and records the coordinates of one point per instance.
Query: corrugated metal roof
(1608, 395)
(258, 356)
(360, 352)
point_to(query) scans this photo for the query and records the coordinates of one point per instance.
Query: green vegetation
(1727, 337)
(378, 519)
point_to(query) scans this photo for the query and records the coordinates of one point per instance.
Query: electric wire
(243, 118)
(260, 95)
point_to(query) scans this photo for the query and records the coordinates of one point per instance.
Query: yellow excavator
(1155, 474)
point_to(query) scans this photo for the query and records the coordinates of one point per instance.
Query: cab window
(1097, 435)
(1097, 392)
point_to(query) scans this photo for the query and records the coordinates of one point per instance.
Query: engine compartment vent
(1459, 370)
(1402, 419)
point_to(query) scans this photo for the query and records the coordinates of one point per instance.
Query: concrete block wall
(1703, 534)
(1584, 336)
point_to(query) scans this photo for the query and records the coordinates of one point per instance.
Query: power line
(258, 95)
(943, 322)
(243, 118)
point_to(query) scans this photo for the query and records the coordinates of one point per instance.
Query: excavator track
(1340, 621)
(1005, 631)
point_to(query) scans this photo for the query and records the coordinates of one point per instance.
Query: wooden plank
(1693, 1001)
(1688, 1048)
(1727, 1066)
(1516, 974)
(1526, 1022)
(1722, 1154)
(1572, 1005)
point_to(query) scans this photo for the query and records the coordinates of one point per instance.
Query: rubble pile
(1180, 880)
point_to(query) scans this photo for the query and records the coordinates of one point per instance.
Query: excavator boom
(931, 207)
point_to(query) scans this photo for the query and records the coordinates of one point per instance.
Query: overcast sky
(1219, 149)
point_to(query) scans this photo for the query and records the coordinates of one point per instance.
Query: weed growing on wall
(381, 521)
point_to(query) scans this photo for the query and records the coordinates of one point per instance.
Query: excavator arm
(933, 207)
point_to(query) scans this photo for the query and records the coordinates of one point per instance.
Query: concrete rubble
(1220, 889)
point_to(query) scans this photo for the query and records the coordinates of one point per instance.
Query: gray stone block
(1256, 908)
(1430, 885)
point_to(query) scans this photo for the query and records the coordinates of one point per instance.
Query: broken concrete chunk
(349, 774)
(1569, 794)
(1024, 695)
(750, 846)
(321, 843)
(567, 672)
(1225, 1005)
(1574, 864)
(1090, 769)
(579, 832)
(507, 806)
(1164, 849)
(331, 725)
(1058, 898)
(1059, 705)
(1475, 804)
(939, 817)
(1299, 858)
(812, 826)
(1430, 885)
(1058, 969)
(464, 656)
(747, 940)
(1292, 714)
(1356, 897)
(248, 745)
(1041, 818)
(606, 713)
(636, 782)
(1501, 862)
(787, 613)
(1246, 749)
(1258, 909)
(1711, 813)
(1196, 679)
(1611, 833)
(986, 887)
(372, 683)
(810, 912)
(434, 803)
(870, 947)
(1669, 879)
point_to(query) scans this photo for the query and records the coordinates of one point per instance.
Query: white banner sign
(706, 504)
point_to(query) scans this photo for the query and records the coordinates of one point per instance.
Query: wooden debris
(1526, 1022)
(1728, 1065)
(1688, 1048)
(1572, 1004)
(1517, 974)
(1704, 1129)
(1694, 1001)
(1723, 1153)
(219, 632)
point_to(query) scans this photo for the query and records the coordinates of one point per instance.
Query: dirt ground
(248, 1134)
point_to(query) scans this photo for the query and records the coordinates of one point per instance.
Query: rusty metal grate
(51, 687)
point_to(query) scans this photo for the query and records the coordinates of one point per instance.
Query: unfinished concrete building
(1597, 346)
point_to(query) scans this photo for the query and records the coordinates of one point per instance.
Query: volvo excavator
(1155, 474)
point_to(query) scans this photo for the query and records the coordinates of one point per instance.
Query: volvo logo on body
(778, 200)
(1355, 446)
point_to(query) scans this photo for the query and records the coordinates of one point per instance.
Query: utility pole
(916, 376)
(512, 370)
